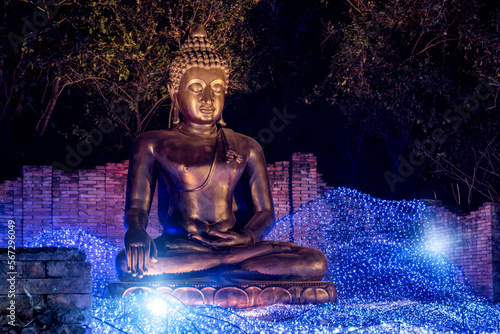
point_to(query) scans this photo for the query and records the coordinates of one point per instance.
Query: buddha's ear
(171, 92)
(173, 119)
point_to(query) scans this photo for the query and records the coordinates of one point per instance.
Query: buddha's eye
(196, 88)
(217, 88)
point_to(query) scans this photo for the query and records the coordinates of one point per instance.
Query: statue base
(236, 295)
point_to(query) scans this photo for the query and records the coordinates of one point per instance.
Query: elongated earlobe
(221, 121)
(173, 118)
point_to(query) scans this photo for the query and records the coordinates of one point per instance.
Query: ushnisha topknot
(197, 51)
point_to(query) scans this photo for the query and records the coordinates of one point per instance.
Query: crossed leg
(264, 261)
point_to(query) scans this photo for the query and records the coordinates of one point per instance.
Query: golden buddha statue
(220, 204)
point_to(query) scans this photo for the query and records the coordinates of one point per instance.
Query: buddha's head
(198, 81)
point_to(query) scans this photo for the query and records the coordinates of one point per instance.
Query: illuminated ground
(389, 278)
(150, 314)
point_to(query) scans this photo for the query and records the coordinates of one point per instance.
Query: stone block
(64, 316)
(67, 329)
(22, 302)
(24, 269)
(23, 317)
(45, 254)
(7, 329)
(30, 330)
(82, 301)
(68, 269)
(40, 286)
(4, 320)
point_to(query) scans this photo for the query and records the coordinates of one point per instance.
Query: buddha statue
(220, 205)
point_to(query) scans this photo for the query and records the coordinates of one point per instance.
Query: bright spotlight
(158, 306)
(438, 243)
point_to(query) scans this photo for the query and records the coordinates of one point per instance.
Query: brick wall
(300, 174)
(50, 292)
(279, 177)
(11, 206)
(470, 241)
(94, 199)
(301, 177)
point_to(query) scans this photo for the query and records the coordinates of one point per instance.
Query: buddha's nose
(206, 95)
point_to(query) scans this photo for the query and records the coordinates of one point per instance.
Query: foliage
(124, 61)
(99, 60)
(38, 44)
(364, 82)
(402, 64)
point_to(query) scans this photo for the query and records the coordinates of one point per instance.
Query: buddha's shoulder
(156, 137)
(241, 139)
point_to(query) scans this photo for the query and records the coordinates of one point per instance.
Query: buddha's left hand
(226, 239)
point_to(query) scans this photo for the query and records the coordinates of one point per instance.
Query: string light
(388, 277)
(158, 306)
(99, 252)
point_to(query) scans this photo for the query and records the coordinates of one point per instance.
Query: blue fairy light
(99, 252)
(382, 256)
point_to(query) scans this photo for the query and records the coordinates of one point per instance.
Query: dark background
(366, 81)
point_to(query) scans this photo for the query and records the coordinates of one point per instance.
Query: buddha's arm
(141, 182)
(263, 219)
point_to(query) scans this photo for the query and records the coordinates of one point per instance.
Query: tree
(33, 60)
(124, 61)
(402, 64)
(98, 60)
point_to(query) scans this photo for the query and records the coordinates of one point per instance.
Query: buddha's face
(201, 95)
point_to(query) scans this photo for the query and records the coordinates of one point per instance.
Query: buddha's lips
(207, 110)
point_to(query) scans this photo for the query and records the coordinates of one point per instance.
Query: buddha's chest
(193, 164)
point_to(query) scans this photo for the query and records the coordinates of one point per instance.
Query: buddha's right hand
(140, 249)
